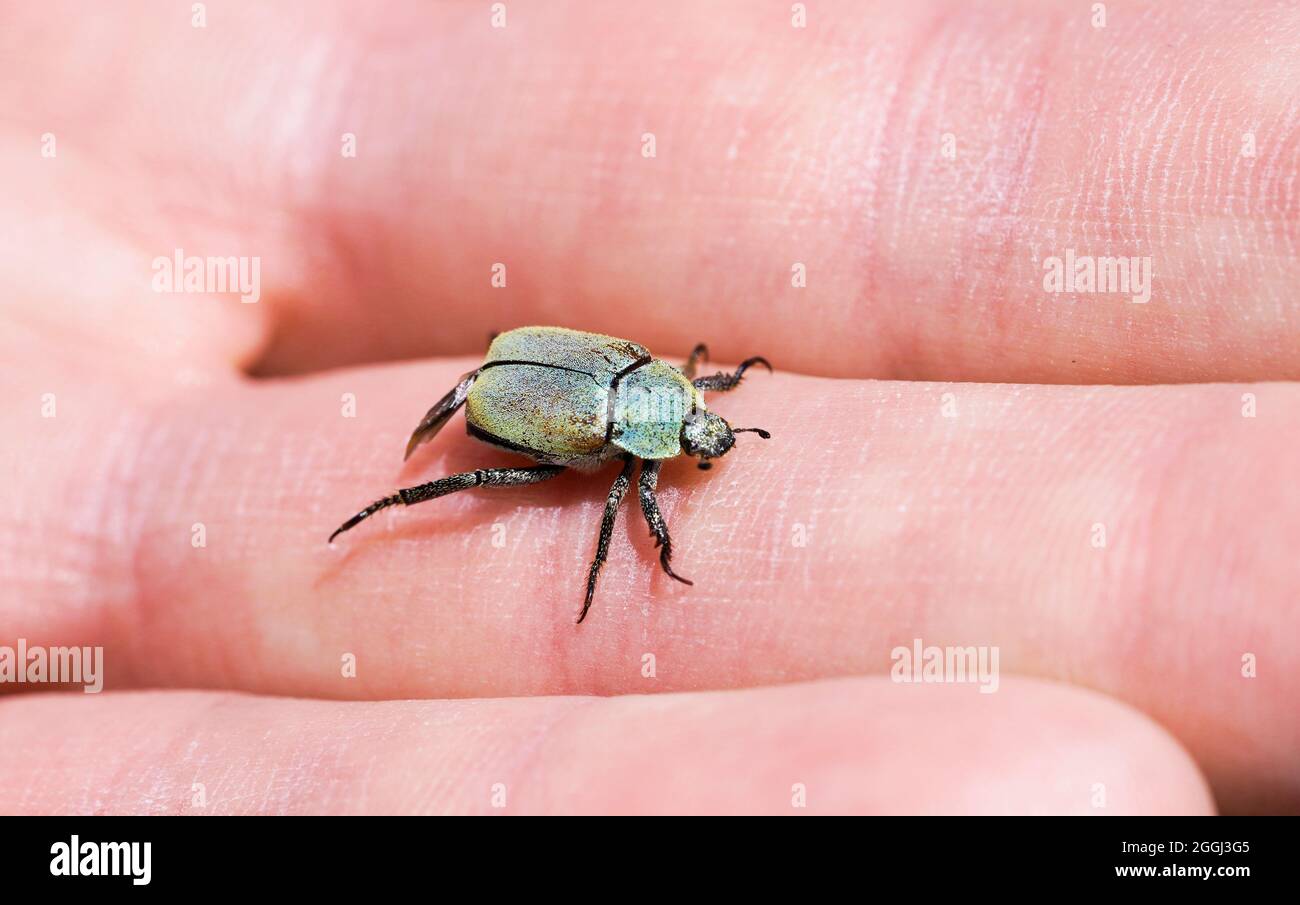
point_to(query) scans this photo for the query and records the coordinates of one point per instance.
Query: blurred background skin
(947, 435)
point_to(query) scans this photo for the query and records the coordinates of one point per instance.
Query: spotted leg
(698, 354)
(720, 383)
(646, 487)
(485, 477)
(616, 492)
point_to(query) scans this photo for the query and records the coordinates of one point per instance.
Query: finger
(857, 746)
(916, 165)
(1157, 568)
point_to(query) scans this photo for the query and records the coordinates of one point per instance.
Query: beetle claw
(673, 575)
(664, 556)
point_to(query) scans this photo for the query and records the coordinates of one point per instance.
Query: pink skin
(774, 145)
(853, 745)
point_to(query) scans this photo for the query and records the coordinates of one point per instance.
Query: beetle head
(709, 436)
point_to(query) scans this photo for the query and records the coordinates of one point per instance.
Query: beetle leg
(487, 477)
(621, 483)
(720, 383)
(646, 486)
(698, 354)
(442, 410)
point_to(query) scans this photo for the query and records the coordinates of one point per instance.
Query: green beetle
(568, 399)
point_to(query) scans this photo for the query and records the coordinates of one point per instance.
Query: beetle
(569, 399)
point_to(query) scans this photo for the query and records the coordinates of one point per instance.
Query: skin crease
(773, 146)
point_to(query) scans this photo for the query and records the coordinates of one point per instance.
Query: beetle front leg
(441, 412)
(616, 492)
(646, 488)
(720, 383)
(700, 352)
(484, 477)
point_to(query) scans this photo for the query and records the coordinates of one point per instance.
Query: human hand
(961, 512)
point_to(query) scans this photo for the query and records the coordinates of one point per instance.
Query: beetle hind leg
(720, 383)
(612, 502)
(646, 487)
(485, 477)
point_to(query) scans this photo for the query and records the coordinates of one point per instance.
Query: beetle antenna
(753, 430)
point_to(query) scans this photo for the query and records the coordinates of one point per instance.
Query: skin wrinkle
(1151, 144)
(99, 506)
(920, 76)
(174, 457)
(876, 174)
(1175, 141)
(1007, 204)
(529, 757)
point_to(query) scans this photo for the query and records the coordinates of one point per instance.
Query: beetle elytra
(568, 399)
